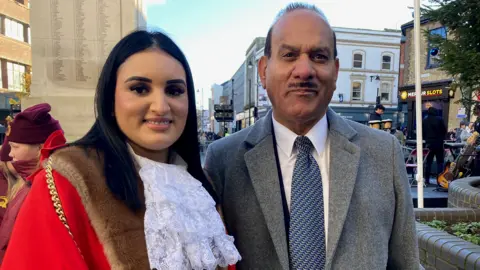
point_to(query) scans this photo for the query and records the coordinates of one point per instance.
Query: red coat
(106, 233)
(39, 232)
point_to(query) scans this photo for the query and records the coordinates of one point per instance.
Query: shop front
(362, 114)
(434, 94)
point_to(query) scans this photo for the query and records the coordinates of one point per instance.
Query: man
(434, 133)
(303, 188)
(377, 114)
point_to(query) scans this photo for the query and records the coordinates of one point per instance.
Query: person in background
(467, 132)
(399, 135)
(459, 131)
(131, 194)
(434, 133)
(4, 158)
(377, 114)
(30, 131)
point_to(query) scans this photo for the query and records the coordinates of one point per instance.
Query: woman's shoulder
(73, 161)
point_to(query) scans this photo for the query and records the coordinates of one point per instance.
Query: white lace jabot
(183, 230)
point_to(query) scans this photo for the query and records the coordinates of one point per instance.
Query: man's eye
(320, 57)
(289, 55)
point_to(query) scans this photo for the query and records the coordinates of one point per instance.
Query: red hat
(33, 125)
(5, 151)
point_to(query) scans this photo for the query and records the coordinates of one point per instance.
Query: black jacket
(375, 116)
(434, 130)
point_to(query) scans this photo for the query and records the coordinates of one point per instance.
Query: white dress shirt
(287, 156)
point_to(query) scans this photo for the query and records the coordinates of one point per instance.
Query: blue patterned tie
(307, 222)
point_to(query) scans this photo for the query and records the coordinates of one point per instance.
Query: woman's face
(151, 102)
(21, 151)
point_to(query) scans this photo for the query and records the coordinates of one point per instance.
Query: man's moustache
(310, 85)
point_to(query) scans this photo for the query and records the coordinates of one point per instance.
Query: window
(15, 76)
(385, 92)
(14, 29)
(20, 1)
(29, 37)
(433, 60)
(358, 60)
(387, 62)
(356, 91)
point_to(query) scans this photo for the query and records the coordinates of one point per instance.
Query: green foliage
(437, 224)
(460, 52)
(467, 231)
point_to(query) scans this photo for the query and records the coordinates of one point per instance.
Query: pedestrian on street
(434, 134)
(377, 114)
(130, 194)
(31, 130)
(304, 188)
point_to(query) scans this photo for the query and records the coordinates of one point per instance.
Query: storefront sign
(461, 113)
(425, 93)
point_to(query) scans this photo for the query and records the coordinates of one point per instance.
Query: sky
(215, 34)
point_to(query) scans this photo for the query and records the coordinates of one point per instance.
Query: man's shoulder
(233, 140)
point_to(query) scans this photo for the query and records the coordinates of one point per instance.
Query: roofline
(410, 24)
(427, 84)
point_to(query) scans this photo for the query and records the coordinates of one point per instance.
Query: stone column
(71, 40)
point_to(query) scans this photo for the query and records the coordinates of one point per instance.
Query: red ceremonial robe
(105, 233)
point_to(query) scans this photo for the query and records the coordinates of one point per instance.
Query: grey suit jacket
(371, 223)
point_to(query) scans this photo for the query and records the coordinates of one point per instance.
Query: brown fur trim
(120, 231)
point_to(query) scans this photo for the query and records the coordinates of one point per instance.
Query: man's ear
(262, 70)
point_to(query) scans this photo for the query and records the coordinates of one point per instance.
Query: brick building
(436, 90)
(15, 50)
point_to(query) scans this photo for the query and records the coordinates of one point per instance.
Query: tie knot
(303, 144)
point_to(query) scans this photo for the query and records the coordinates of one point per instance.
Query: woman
(131, 194)
(28, 133)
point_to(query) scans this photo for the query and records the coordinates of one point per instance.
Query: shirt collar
(286, 138)
(174, 159)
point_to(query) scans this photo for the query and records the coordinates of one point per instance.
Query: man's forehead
(294, 24)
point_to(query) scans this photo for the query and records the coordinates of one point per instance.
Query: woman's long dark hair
(105, 135)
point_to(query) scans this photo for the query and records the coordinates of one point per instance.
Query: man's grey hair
(300, 6)
(289, 8)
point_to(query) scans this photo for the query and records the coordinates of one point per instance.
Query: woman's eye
(140, 89)
(174, 91)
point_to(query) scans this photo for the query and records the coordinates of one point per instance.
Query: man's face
(300, 76)
(379, 111)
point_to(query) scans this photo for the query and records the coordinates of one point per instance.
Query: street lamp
(250, 66)
(377, 79)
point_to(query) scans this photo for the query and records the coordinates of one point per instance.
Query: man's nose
(303, 69)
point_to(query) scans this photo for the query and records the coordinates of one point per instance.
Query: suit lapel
(262, 168)
(344, 161)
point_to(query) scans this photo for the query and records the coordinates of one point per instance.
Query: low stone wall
(441, 250)
(464, 193)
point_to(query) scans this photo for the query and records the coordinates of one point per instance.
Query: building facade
(369, 67)
(234, 90)
(216, 93)
(15, 52)
(436, 90)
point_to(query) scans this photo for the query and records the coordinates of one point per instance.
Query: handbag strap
(57, 204)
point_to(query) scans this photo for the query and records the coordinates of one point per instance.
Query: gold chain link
(57, 204)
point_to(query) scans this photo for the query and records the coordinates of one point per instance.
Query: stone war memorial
(71, 40)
